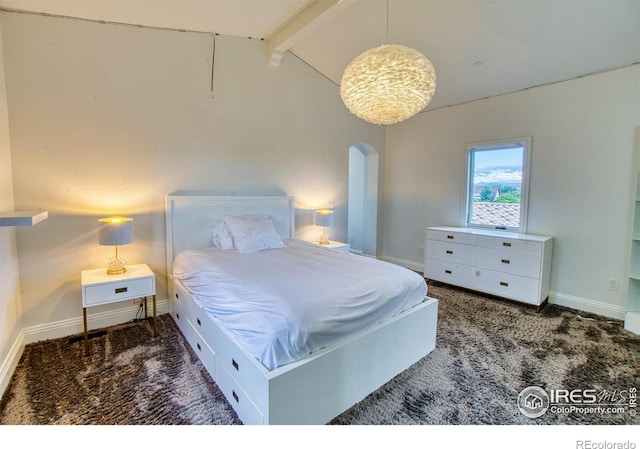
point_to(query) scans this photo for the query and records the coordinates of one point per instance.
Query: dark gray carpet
(487, 351)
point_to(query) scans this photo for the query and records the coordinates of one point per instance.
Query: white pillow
(253, 233)
(222, 237)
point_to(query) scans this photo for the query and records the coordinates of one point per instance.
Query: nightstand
(100, 288)
(338, 246)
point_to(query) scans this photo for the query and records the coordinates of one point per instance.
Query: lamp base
(116, 265)
(120, 271)
(323, 241)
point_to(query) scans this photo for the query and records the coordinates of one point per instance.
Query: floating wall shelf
(22, 218)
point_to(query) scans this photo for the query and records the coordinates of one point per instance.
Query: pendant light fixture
(388, 84)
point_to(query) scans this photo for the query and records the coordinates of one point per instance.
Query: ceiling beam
(308, 20)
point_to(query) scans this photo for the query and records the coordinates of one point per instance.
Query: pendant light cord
(387, 22)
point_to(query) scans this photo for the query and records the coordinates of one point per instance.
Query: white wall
(108, 119)
(582, 153)
(356, 199)
(9, 273)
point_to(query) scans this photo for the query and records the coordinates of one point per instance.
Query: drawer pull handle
(177, 297)
(507, 261)
(447, 271)
(235, 396)
(449, 251)
(121, 290)
(504, 284)
(235, 365)
(198, 321)
(177, 315)
(198, 345)
(450, 237)
(506, 244)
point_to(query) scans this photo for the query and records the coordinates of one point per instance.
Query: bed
(335, 365)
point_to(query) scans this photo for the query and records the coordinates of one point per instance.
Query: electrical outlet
(614, 285)
(421, 251)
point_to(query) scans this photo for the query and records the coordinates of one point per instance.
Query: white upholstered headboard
(191, 217)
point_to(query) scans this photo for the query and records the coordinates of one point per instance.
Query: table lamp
(324, 219)
(115, 231)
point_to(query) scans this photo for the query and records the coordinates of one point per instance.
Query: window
(497, 184)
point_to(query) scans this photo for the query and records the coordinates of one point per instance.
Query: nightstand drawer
(118, 291)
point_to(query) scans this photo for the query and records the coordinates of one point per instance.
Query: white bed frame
(315, 389)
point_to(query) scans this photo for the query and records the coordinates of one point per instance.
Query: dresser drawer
(452, 237)
(510, 244)
(512, 262)
(451, 252)
(513, 266)
(450, 273)
(118, 291)
(508, 285)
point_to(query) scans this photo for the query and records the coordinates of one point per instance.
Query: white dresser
(506, 264)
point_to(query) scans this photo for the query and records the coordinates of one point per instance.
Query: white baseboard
(65, 328)
(9, 364)
(587, 305)
(415, 266)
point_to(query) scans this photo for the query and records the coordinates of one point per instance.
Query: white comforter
(285, 303)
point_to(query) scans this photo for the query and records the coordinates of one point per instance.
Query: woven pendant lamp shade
(388, 84)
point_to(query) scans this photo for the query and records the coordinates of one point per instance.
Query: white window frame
(472, 147)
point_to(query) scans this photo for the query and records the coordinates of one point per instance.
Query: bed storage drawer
(192, 312)
(195, 339)
(180, 300)
(247, 411)
(203, 350)
(244, 368)
(182, 320)
(197, 343)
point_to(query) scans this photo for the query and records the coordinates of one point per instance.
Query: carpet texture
(487, 351)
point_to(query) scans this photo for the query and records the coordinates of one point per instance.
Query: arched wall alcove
(362, 215)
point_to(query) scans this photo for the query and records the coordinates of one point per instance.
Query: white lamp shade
(324, 217)
(115, 231)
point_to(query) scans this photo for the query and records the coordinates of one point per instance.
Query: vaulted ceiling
(479, 48)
